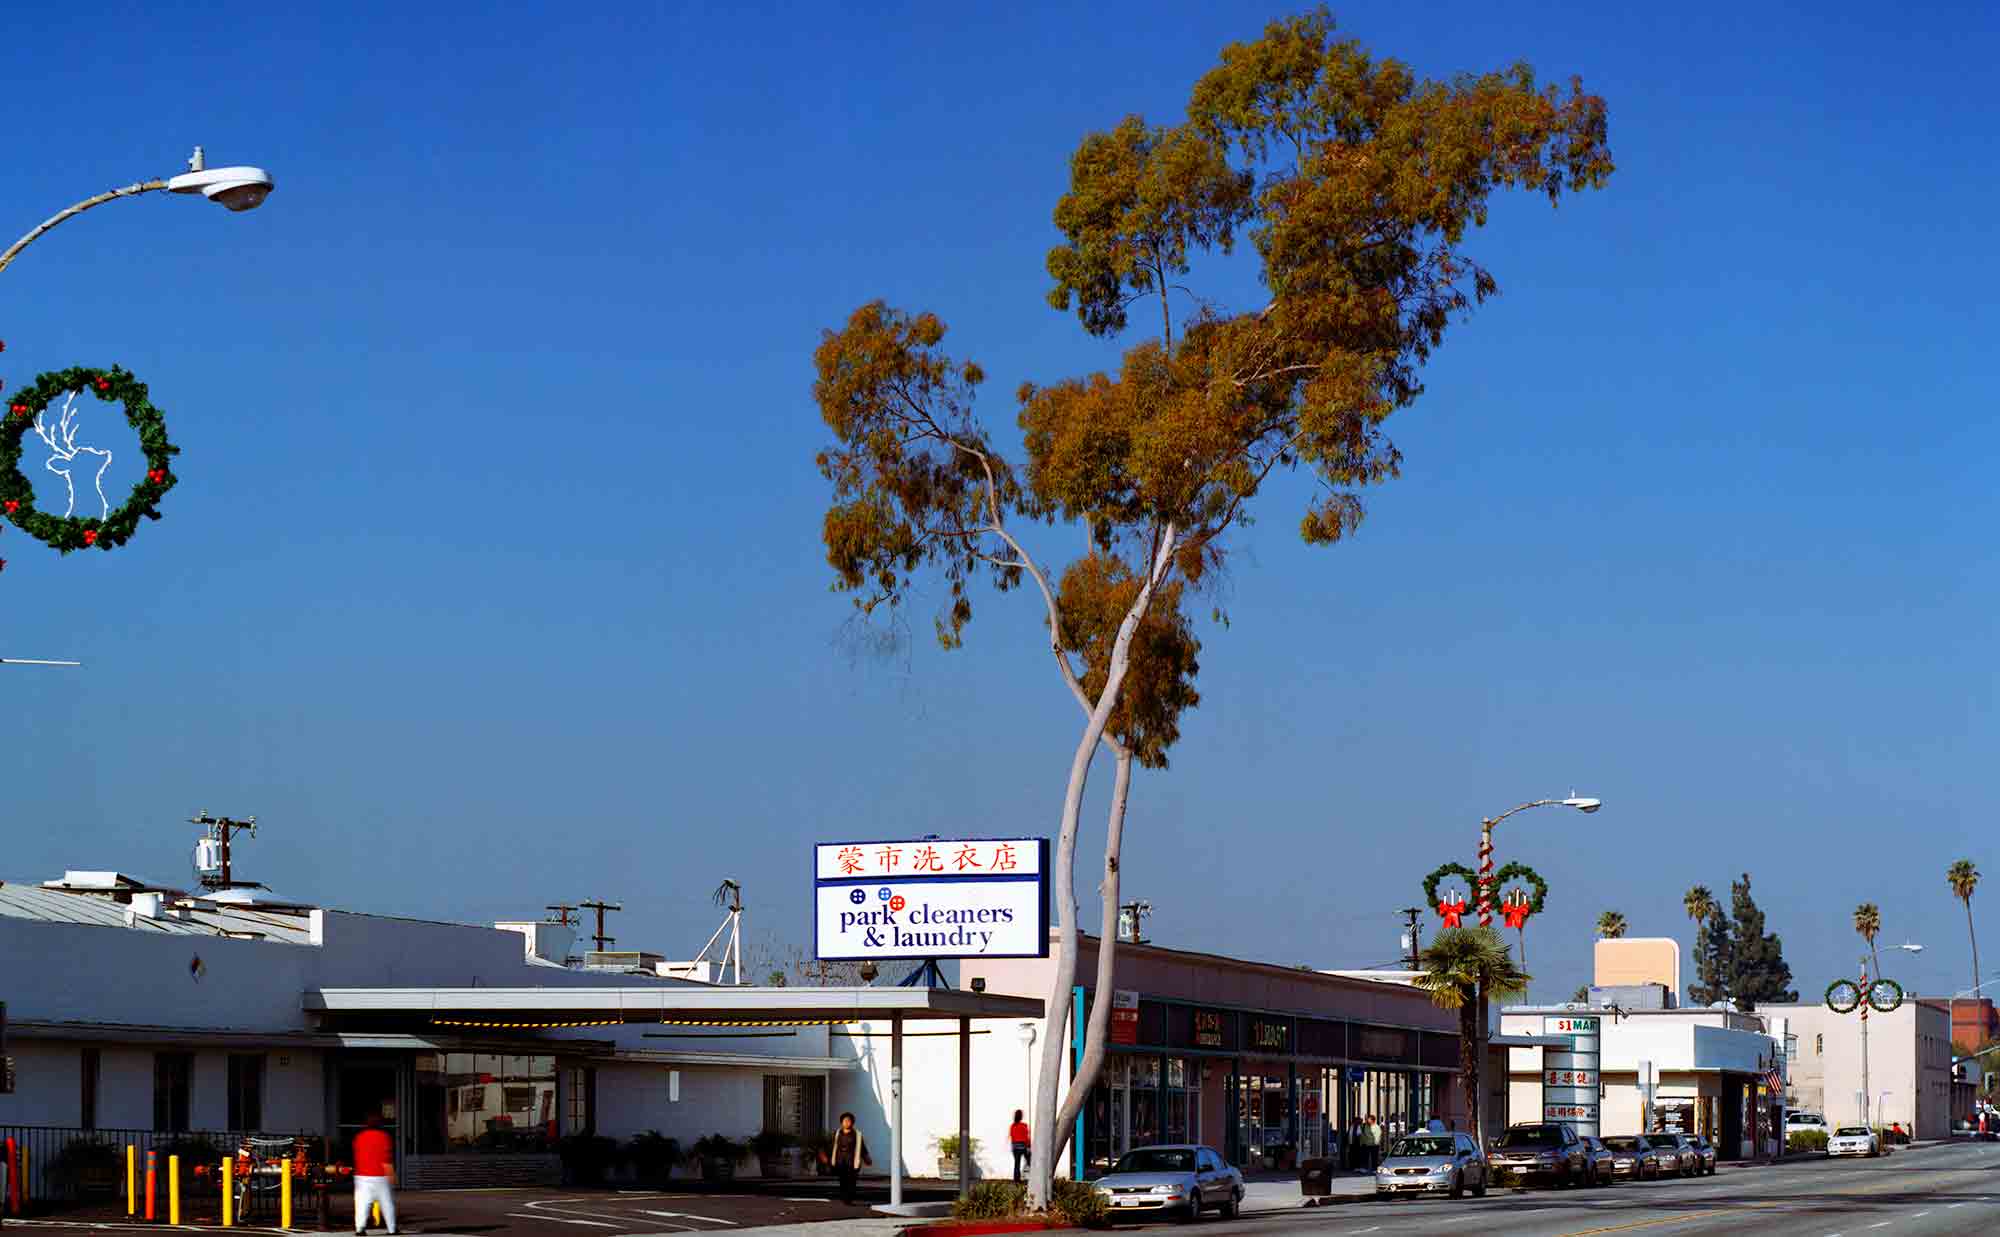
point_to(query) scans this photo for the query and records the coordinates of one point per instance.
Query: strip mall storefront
(1267, 1064)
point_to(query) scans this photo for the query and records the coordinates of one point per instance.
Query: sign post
(1569, 1076)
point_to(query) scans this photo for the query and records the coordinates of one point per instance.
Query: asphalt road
(1913, 1193)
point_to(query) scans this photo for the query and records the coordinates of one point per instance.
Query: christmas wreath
(1437, 878)
(1843, 996)
(1521, 871)
(114, 527)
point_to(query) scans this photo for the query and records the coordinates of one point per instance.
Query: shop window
(93, 1069)
(482, 1101)
(580, 1103)
(172, 1072)
(246, 1092)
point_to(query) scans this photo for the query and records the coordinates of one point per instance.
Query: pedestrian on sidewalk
(1019, 1138)
(1351, 1145)
(374, 1175)
(850, 1152)
(1371, 1143)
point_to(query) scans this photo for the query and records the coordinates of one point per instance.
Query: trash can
(1315, 1179)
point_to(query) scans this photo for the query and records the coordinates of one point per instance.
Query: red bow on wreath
(1452, 908)
(1516, 908)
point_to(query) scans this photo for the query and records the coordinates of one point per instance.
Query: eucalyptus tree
(1356, 184)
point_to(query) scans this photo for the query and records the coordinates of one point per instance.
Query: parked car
(1601, 1163)
(1433, 1164)
(1798, 1121)
(1687, 1161)
(1548, 1150)
(1182, 1178)
(1706, 1150)
(1635, 1156)
(1854, 1140)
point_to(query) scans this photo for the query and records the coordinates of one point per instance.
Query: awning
(500, 1009)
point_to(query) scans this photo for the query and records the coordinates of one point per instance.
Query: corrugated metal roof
(19, 901)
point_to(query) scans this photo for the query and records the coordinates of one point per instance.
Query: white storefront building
(149, 1012)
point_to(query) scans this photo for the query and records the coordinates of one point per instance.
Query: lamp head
(237, 188)
(1583, 805)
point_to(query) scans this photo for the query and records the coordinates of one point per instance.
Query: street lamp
(236, 188)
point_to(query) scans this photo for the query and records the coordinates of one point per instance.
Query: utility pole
(600, 907)
(1132, 921)
(219, 828)
(1411, 913)
(565, 913)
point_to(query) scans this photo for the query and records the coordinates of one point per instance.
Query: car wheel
(1229, 1206)
(1479, 1191)
(1194, 1207)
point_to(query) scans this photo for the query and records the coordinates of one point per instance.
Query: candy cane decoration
(1485, 873)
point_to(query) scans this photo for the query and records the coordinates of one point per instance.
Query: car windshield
(1851, 1131)
(1423, 1145)
(1623, 1144)
(1157, 1160)
(1532, 1136)
(1805, 1118)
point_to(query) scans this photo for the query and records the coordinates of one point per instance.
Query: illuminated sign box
(956, 898)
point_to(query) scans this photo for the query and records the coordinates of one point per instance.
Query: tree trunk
(1042, 1169)
(1095, 1032)
(1975, 953)
(1468, 1059)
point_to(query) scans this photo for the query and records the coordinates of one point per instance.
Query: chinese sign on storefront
(1569, 1075)
(1207, 1028)
(977, 898)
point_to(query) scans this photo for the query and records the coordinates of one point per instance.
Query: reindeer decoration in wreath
(82, 467)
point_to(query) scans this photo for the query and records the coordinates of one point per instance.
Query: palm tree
(1868, 922)
(1611, 925)
(1462, 968)
(1699, 904)
(1964, 878)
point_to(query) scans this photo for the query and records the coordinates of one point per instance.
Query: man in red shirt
(374, 1173)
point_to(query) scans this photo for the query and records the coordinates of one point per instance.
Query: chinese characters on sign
(1569, 1075)
(1207, 1028)
(935, 898)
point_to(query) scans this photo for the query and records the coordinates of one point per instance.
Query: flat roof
(691, 1003)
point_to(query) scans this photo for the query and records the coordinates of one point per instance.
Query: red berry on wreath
(103, 384)
(13, 505)
(90, 536)
(157, 476)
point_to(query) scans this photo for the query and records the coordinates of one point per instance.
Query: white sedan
(1854, 1140)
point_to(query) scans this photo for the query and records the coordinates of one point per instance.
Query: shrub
(947, 1146)
(719, 1147)
(991, 1200)
(1805, 1140)
(1075, 1202)
(768, 1144)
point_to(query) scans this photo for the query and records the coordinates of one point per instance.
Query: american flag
(1774, 1080)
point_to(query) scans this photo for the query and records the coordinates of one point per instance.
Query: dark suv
(1547, 1150)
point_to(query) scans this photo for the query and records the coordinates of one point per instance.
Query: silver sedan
(1183, 1179)
(1433, 1164)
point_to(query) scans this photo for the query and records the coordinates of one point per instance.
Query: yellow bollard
(285, 1196)
(173, 1189)
(131, 1179)
(375, 1214)
(228, 1191)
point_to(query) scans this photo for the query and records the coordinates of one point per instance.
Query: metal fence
(75, 1166)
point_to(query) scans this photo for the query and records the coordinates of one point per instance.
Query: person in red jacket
(1019, 1138)
(374, 1174)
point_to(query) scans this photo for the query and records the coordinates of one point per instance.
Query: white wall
(1000, 1084)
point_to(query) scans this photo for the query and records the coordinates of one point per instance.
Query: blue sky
(494, 575)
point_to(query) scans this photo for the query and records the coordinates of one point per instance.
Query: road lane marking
(543, 1215)
(682, 1215)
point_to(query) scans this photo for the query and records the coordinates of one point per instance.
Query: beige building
(1909, 1065)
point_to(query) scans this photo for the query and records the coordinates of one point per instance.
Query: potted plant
(586, 1158)
(652, 1157)
(948, 1155)
(718, 1156)
(817, 1148)
(773, 1150)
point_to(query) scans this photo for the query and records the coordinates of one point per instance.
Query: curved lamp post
(235, 188)
(1486, 846)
